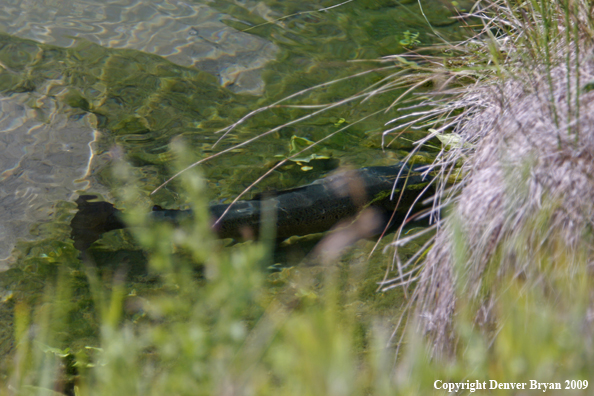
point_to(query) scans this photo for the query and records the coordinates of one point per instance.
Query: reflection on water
(44, 160)
(185, 33)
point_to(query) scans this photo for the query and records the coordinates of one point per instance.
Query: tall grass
(523, 134)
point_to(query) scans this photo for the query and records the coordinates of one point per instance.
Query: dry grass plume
(525, 205)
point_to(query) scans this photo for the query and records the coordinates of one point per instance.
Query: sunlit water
(184, 32)
(43, 160)
(49, 152)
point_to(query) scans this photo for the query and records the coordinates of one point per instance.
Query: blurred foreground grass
(213, 321)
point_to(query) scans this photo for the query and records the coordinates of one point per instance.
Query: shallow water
(112, 79)
(184, 32)
(43, 161)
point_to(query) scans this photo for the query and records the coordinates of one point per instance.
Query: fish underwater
(313, 208)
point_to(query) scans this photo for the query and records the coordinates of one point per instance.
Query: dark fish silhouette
(313, 208)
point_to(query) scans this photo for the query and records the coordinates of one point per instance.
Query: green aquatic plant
(340, 122)
(298, 145)
(410, 40)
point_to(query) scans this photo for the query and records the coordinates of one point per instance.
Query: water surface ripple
(186, 33)
(44, 160)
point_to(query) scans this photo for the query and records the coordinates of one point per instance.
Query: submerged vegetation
(500, 292)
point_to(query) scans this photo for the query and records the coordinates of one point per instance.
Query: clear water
(108, 79)
(186, 33)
